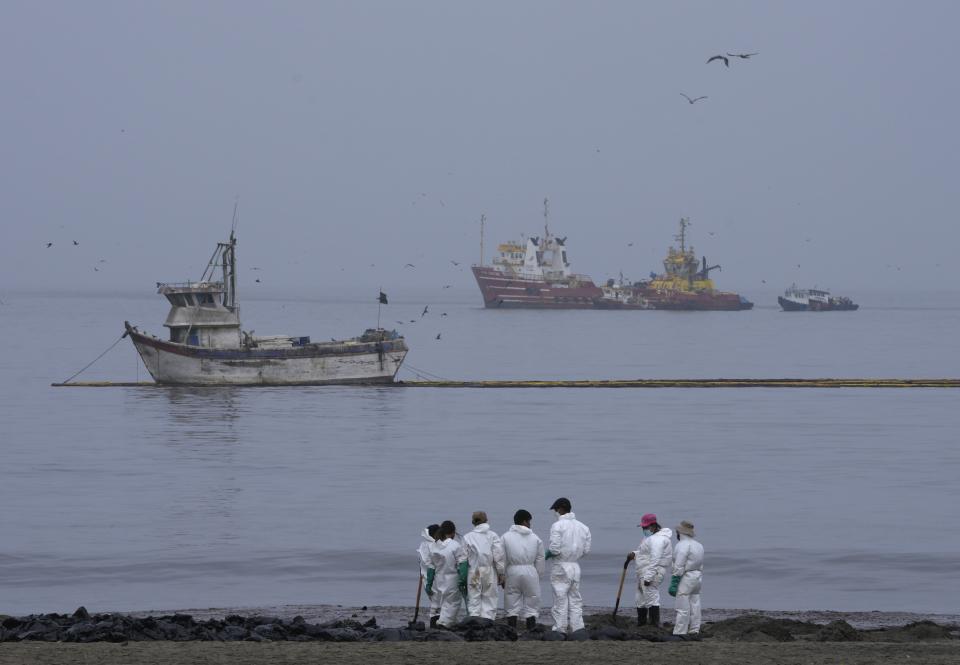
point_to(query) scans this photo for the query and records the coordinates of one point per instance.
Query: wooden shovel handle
(416, 612)
(623, 576)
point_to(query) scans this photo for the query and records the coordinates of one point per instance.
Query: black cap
(563, 503)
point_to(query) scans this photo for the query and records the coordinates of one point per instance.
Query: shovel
(416, 611)
(623, 576)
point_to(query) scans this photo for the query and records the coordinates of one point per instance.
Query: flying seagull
(438, 335)
(75, 243)
(719, 57)
(444, 313)
(409, 265)
(694, 100)
(49, 245)
(426, 308)
(456, 263)
(745, 56)
(257, 280)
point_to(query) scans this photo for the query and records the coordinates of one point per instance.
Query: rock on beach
(82, 627)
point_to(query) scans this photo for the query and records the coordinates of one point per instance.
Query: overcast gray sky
(131, 126)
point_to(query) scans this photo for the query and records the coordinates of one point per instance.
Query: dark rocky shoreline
(83, 627)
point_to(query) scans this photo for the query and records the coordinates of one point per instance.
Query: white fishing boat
(207, 346)
(814, 300)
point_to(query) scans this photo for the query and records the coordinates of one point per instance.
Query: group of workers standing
(467, 570)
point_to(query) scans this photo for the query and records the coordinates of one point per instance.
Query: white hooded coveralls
(569, 541)
(484, 555)
(654, 558)
(424, 550)
(445, 556)
(524, 554)
(688, 562)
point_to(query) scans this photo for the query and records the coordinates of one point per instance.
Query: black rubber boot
(512, 622)
(531, 623)
(434, 620)
(641, 616)
(655, 616)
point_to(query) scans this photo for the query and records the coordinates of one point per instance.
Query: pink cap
(647, 520)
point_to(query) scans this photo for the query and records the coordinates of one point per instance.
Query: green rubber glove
(674, 585)
(462, 570)
(548, 555)
(430, 575)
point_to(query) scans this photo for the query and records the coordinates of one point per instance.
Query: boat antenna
(483, 220)
(236, 215)
(546, 220)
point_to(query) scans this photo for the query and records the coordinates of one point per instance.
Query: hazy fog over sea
(360, 137)
(379, 132)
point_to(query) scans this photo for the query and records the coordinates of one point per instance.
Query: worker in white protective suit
(450, 579)
(686, 580)
(569, 542)
(524, 555)
(654, 558)
(484, 556)
(428, 572)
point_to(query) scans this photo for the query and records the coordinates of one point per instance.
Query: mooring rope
(96, 359)
(422, 373)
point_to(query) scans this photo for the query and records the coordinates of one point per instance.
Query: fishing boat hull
(346, 362)
(790, 305)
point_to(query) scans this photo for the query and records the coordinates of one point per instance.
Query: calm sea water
(139, 498)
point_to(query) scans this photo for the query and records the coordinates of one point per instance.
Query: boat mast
(230, 272)
(546, 221)
(483, 219)
(229, 258)
(684, 223)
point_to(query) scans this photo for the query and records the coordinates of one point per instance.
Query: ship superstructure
(206, 345)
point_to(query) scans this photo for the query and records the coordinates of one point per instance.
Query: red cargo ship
(535, 275)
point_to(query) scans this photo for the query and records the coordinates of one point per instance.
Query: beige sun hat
(686, 528)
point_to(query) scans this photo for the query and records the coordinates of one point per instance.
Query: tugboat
(814, 300)
(534, 275)
(207, 346)
(685, 284)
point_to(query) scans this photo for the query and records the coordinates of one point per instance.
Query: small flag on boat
(383, 298)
